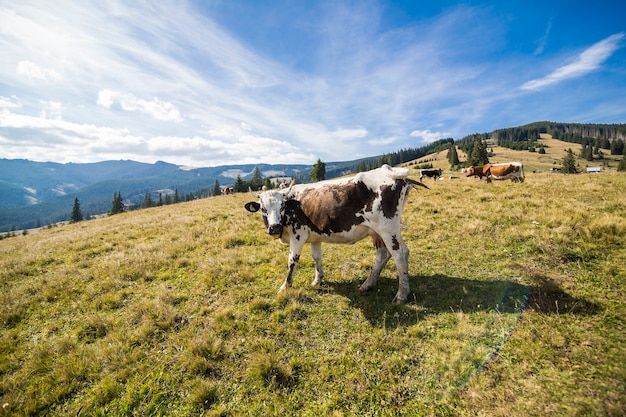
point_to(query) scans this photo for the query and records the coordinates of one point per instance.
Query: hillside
(533, 161)
(517, 308)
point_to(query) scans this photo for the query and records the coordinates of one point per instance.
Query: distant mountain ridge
(33, 194)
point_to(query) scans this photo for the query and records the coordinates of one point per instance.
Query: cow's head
(272, 206)
(470, 171)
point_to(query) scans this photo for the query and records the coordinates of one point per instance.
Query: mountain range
(33, 194)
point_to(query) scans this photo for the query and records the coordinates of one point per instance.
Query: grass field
(533, 161)
(518, 308)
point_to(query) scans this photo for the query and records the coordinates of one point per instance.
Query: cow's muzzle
(275, 230)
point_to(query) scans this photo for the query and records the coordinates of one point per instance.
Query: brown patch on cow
(335, 208)
(502, 170)
(390, 198)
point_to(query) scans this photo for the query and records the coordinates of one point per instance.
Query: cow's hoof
(365, 288)
(316, 282)
(399, 301)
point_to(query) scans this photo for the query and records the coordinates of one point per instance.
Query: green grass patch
(517, 308)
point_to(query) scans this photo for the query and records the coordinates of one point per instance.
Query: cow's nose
(275, 229)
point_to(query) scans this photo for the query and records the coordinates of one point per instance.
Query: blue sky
(206, 83)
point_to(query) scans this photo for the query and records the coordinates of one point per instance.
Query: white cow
(342, 211)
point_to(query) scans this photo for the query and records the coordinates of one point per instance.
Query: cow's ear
(291, 204)
(252, 206)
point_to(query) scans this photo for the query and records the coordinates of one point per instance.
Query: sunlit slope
(533, 161)
(518, 298)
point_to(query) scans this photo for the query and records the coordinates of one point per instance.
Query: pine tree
(77, 215)
(622, 165)
(176, 198)
(478, 155)
(240, 186)
(569, 163)
(147, 201)
(117, 206)
(216, 189)
(453, 156)
(318, 173)
(256, 182)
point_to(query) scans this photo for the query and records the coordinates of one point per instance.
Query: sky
(221, 82)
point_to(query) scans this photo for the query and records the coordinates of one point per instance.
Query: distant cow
(505, 171)
(342, 211)
(431, 173)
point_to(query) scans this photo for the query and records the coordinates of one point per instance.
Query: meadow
(518, 307)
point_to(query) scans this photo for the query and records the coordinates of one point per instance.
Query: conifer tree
(569, 163)
(256, 182)
(453, 156)
(147, 201)
(478, 155)
(117, 206)
(318, 173)
(240, 186)
(176, 198)
(77, 215)
(216, 188)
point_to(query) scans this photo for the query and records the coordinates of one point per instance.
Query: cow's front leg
(316, 252)
(294, 258)
(382, 257)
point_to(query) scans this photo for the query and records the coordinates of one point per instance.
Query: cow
(342, 211)
(431, 173)
(504, 171)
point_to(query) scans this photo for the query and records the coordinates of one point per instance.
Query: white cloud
(32, 71)
(10, 102)
(51, 110)
(587, 61)
(156, 108)
(428, 136)
(349, 134)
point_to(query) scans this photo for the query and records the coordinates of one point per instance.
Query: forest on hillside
(594, 136)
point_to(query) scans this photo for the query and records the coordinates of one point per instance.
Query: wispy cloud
(589, 60)
(159, 109)
(544, 39)
(34, 72)
(428, 136)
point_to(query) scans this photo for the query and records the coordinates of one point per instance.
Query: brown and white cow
(503, 171)
(342, 211)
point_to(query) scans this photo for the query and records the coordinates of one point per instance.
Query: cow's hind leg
(382, 257)
(316, 252)
(400, 253)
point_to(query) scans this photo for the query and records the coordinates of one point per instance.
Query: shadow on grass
(437, 293)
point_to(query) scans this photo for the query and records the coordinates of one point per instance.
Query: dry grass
(518, 308)
(533, 161)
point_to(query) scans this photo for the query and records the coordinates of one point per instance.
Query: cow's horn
(255, 195)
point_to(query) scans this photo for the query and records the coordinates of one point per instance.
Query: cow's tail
(415, 183)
